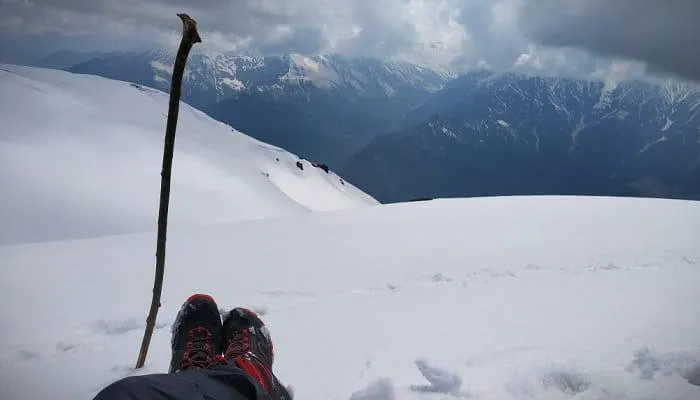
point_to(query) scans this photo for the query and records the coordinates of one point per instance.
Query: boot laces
(237, 344)
(197, 349)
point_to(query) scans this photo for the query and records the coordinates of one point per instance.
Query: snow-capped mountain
(211, 77)
(323, 107)
(328, 107)
(80, 156)
(63, 59)
(208, 78)
(490, 134)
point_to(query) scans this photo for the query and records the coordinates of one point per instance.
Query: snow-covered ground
(80, 156)
(490, 298)
(493, 298)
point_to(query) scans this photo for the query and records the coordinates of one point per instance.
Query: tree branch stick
(190, 36)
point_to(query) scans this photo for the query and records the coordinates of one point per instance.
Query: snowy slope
(493, 298)
(80, 156)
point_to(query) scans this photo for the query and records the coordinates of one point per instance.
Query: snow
(512, 298)
(388, 90)
(303, 68)
(448, 132)
(675, 91)
(580, 126)
(222, 63)
(80, 156)
(441, 380)
(525, 298)
(159, 67)
(234, 84)
(604, 100)
(667, 125)
(649, 145)
(382, 389)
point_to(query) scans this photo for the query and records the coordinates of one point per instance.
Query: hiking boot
(195, 341)
(246, 342)
(245, 333)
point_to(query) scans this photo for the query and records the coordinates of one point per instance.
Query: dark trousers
(223, 382)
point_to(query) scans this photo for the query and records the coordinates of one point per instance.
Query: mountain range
(489, 134)
(324, 107)
(400, 131)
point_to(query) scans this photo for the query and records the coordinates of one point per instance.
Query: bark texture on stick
(190, 36)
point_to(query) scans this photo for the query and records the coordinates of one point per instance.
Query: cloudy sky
(598, 38)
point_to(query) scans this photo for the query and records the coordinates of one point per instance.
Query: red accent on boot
(256, 371)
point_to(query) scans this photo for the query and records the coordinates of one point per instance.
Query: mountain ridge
(585, 137)
(322, 107)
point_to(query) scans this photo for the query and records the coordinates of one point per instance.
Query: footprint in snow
(441, 278)
(441, 379)
(18, 355)
(26, 354)
(690, 260)
(611, 266)
(647, 364)
(566, 381)
(65, 347)
(381, 389)
(534, 267)
(535, 384)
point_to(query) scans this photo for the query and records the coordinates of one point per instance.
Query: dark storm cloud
(371, 27)
(302, 41)
(246, 17)
(663, 33)
(497, 45)
(461, 34)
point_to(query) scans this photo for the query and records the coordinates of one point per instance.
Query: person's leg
(222, 382)
(197, 369)
(246, 343)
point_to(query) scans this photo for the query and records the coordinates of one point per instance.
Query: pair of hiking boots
(201, 341)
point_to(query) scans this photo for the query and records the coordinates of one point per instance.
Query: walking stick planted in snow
(189, 38)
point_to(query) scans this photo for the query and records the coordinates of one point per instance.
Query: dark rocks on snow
(300, 165)
(322, 166)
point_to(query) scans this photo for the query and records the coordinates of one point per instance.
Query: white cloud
(457, 33)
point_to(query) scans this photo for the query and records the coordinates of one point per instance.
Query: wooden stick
(189, 38)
